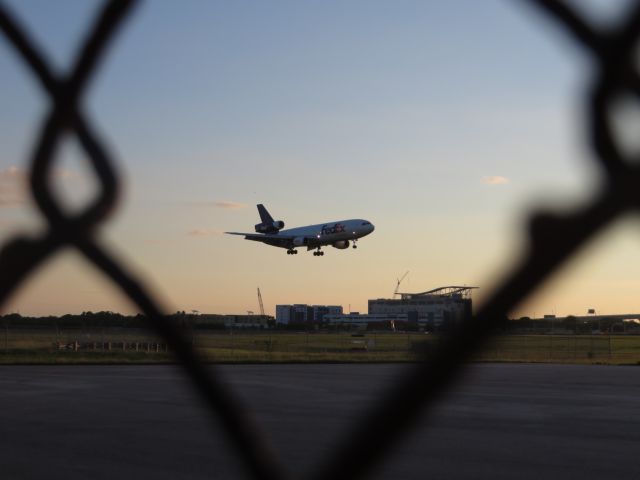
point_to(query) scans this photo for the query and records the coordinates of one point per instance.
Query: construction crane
(260, 301)
(395, 292)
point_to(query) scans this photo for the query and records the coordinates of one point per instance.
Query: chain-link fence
(553, 237)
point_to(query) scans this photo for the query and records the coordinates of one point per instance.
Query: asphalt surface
(501, 422)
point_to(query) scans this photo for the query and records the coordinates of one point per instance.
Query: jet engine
(271, 227)
(340, 244)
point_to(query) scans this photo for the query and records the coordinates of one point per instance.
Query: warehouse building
(305, 314)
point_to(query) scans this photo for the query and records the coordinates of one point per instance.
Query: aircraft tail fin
(264, 215)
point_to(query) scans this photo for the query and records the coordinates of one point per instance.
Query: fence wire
(553, 238)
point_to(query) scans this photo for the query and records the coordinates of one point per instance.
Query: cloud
(14, 184)
(229, 205)
(495, 180)
(204, 232)
(13, 191)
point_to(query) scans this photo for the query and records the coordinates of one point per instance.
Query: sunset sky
(441, 122)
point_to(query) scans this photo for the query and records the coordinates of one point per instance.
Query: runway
(503, 421)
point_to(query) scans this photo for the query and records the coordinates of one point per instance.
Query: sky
(444, 123)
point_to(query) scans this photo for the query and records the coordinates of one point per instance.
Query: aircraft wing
(284, 241)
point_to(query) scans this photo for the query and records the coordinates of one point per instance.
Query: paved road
(502, 422)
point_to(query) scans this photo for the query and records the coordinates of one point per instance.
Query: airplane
(337, 234)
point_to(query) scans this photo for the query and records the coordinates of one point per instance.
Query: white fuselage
(330, 232)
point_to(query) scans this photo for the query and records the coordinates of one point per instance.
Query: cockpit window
(366, 223)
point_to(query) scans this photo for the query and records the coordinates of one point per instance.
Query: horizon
(629, 316)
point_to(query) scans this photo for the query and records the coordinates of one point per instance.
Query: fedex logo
(337, 228)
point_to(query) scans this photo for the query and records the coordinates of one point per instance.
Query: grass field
(139, 346)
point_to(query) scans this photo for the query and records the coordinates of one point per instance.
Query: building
(302, 313)
(432, 308)
(321, 311)
(355, 319)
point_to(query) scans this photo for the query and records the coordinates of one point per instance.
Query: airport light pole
(592, 311)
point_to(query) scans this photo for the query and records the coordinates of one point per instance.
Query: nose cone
(370, 228)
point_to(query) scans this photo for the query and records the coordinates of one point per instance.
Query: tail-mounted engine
(271, 227)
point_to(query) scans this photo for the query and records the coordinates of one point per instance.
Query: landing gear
(292, 251)
(354, 243)
(318, 253)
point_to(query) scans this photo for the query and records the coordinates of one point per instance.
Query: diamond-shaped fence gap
(73, 183)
